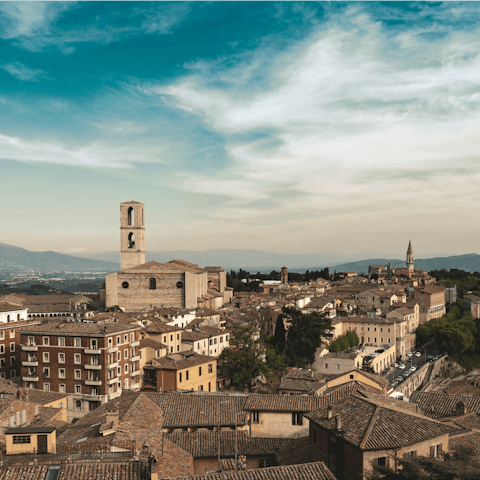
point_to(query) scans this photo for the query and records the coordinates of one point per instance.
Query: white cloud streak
(21, 72)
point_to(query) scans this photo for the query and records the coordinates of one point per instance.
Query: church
(139, 285)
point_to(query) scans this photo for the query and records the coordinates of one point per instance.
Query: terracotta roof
(10, 307)
(307, 471)
(157, 326)
(149, 342)
(181, 360)
(194, 335)
(440, 405)
(205, 444)
(297, 451)
(200, 410)
(297, 385)
(370, 426)
(78, 328)
(469, 440)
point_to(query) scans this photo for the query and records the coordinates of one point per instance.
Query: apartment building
(431, 301)
(168, 335)
(13, 317)
(375, 298)
(205, 340)
(93, 362)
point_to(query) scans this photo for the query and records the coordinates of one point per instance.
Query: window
(31, 340)
(78, 404)
(125, 338)
(125, 285)
(46, 372)
(389, 341)
(119, 371)
(2, 335)
(375, 340)
(119, 356)
(46, 357)
(381, 329)
(61, 388)
(171, 338)
(2, 364)
(381, 340)
(126, 368)
(125, 383)
(164, 339)
(118, 340)
(326, 365)
(18, 439)
(152, 282)
(388, 330)
(368, 329)
(78, 374)
(256, 417)
(297, 418)
(338, 366)
(435, 451)
(186, 375)
(12, 333)
(61, 341)
(210, 368)
(61, 358)
(78, 342)
(125, 353)
(12, 347)
(178, 336)
(132, 337)
(61, 373)
(375, 329)
(382, 461)
(200, 388)
(12, 361)
(264, 463)
(178, 348)
(351, 377)
(410, 455)
(180, 377)
(368, 339)
(78, 358)
(46, 341)
(199, 371)
(46, 387)
(78, 389)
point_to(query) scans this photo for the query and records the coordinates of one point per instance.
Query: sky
(289, 127)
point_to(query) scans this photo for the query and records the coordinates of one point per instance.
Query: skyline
(287, 127)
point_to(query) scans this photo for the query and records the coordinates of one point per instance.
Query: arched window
(131, 240)
(131, 216)
(18, 316)
(78, 405)
(152, 283)
(8, 318)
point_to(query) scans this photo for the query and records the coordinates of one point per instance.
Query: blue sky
(289, 127)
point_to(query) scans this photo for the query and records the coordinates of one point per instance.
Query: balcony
(136, 358)
(89, 366)
(112, 365)
(135, 386)
(112, 349)
(92, 351)
(136, 343)
(93, 398)
(30, 379)
(30, 347)
(115, 394)
(135, 373)
(30, 362)
(93, 383)
(111, 381)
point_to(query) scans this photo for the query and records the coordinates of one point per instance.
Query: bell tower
(410, 257)
(132, 234)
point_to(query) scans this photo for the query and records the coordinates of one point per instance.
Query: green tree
(305, 334)
(278, 340)
(244, 360)
(276, 360)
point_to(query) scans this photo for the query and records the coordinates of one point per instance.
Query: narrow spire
(410, 249)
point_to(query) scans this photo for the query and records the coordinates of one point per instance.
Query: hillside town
(136, 381)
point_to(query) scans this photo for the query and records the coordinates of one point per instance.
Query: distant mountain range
(469, 262)
(15, 257)
(250, 260)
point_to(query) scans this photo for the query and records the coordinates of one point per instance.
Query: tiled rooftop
(440, 405)
(78, 328)
(370, 426)
(203, 444)
(181, 360)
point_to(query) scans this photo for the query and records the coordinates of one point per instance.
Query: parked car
(395, 364)
(409, 354)
(402, 366)
(393, 384)
(399, 379)
(418, 354)
(412, 369)
(407, 373)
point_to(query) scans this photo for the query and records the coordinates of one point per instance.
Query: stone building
(139, 285)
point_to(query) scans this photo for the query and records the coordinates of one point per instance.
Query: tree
(457, 465)
(278, 340)
(305, 334)
(244, 360)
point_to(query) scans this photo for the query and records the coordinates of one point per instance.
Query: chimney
(111, 416)
(338, 423)
(329, 412)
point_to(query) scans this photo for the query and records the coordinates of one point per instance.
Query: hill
(15, 257)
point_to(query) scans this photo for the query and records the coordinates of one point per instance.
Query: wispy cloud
(20, 71)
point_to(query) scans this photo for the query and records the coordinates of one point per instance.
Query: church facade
(139, 285)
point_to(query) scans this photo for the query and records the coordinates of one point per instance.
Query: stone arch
(131, 240)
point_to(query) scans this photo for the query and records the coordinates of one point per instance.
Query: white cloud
(14, 148)
(20, 71)
(339, 105)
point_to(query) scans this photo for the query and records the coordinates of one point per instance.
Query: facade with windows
(92, 362)
(181, 371)
(13, 318)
